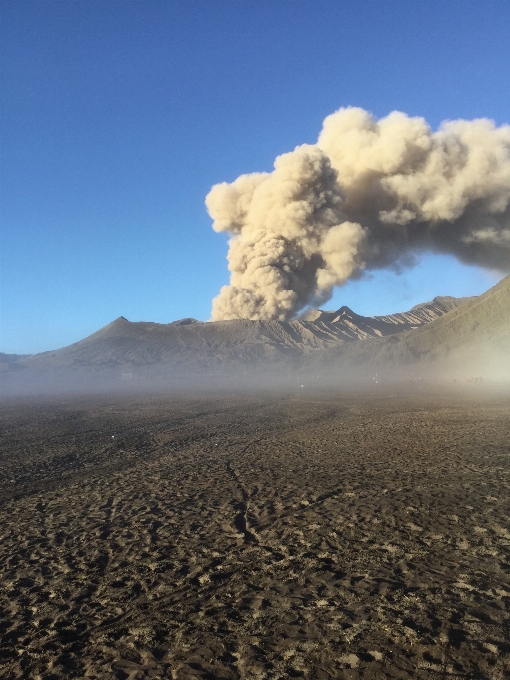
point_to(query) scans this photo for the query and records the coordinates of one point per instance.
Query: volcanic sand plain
(306, 534)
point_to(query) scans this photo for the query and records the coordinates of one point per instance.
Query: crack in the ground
(241, 519)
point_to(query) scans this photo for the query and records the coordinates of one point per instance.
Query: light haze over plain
(119, 117)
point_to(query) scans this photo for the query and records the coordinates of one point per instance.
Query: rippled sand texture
(305, 535)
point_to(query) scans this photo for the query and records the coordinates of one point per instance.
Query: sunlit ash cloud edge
(370, 194)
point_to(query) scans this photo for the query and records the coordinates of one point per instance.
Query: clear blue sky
(117, 118)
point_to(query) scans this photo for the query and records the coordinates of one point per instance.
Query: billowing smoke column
(369, 194)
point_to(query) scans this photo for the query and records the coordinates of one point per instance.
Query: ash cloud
(370, 194)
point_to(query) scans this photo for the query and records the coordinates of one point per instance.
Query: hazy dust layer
(308, 535)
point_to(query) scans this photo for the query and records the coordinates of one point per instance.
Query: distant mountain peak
(344, 310)
(190, 347)
(329, 316)
(187, 321)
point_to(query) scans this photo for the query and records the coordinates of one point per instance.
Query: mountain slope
(329, 346)
(192, 345)
(474, 336)
(357, 327)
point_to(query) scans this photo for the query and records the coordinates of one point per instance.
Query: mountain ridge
(474, 336)
(336, 343)
(148, 342)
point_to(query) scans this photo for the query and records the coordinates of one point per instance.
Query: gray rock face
(192, 343)
(357, 327)
(472, 338)
(325, 344)
(184, 322)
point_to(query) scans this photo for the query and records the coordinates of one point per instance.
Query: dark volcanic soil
(306, 535)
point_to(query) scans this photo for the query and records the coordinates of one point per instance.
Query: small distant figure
(375, 379)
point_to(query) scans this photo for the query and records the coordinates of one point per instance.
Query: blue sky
(118, 117)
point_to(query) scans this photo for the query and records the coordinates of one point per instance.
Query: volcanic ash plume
(368, 195)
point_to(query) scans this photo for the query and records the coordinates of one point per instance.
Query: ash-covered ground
(314, 535)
